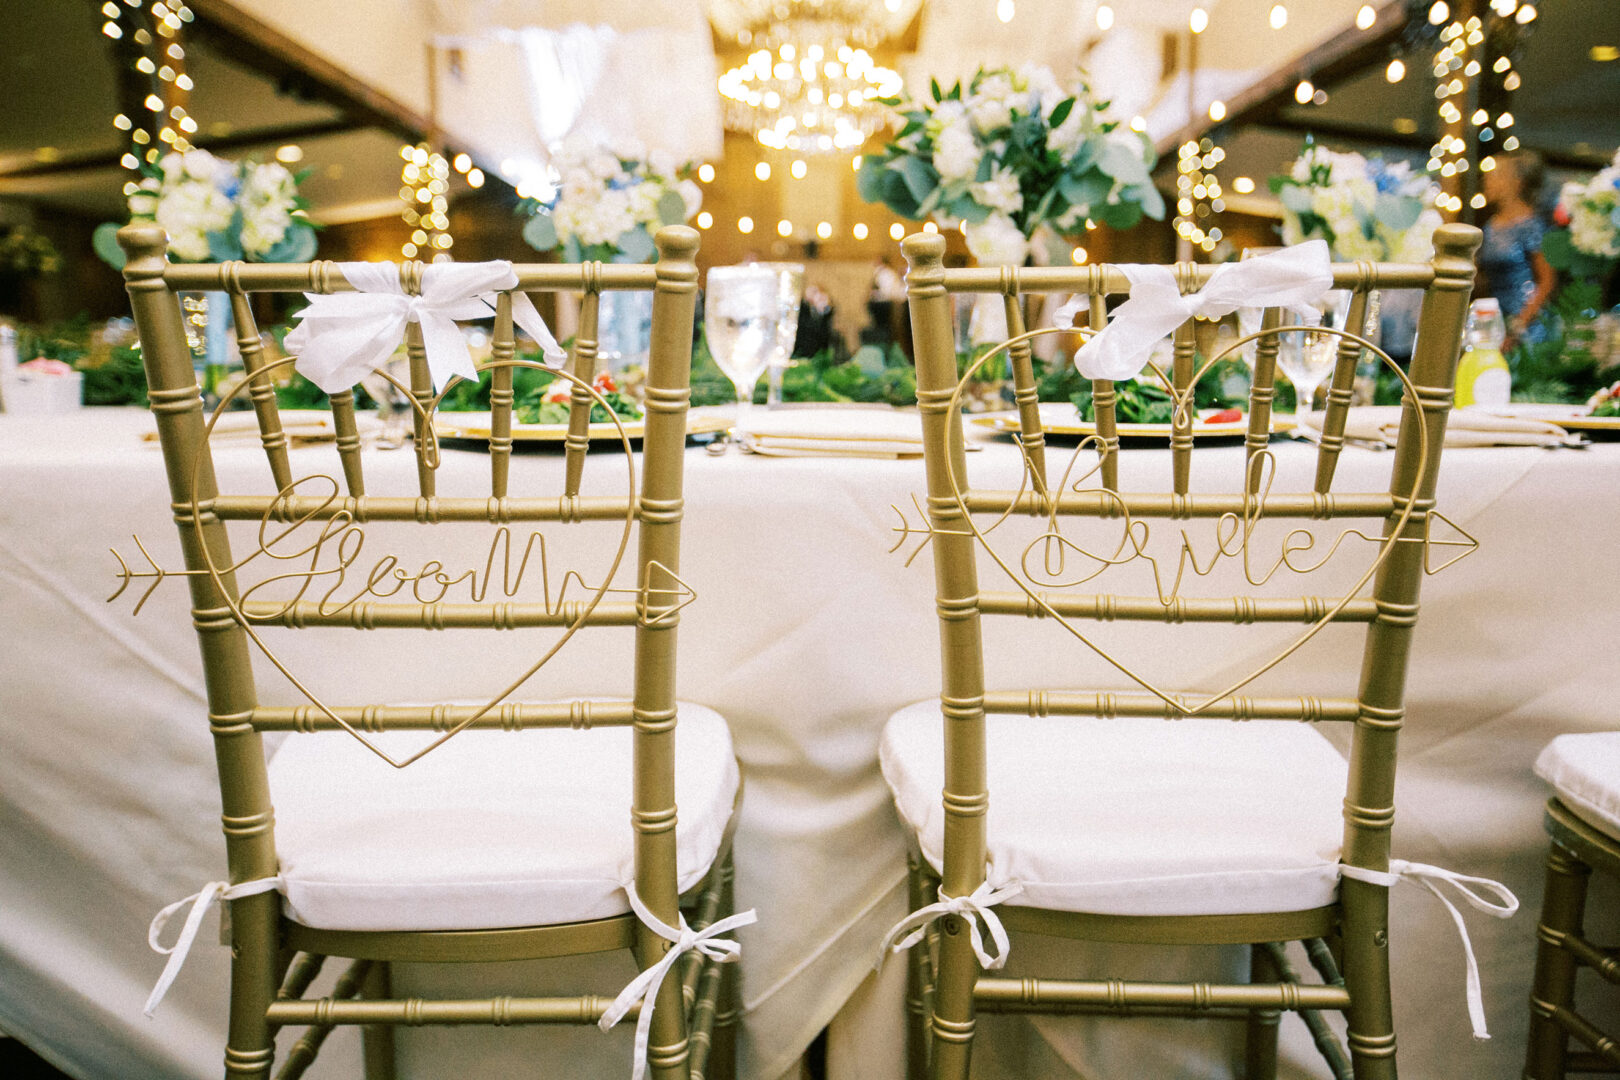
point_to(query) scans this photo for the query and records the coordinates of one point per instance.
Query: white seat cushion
(1585, 771)
(492, 829)
(1139, 817)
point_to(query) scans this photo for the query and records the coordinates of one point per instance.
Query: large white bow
(1431, 877)
(343, 337)
(1293, 278)
(644, 987)
(200, 902)
(974, 907)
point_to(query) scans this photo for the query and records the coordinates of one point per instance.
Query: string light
(1366, 17)
(1279, 16)
(424, 184)
(859, 231)
(161, 66)
(1079, 255)
(784, 228)
(798, 169)
(706, 173)
(897, 231)
(1105, 21)
(1198, 192)
(1396, 70)
(745, 225)
(1198, 21)
(705, 220)
(1005, 10)
(762, 171)
(1217, 111)
(1304, 93)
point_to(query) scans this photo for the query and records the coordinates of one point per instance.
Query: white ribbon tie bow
(1294, 278)
(973, 908)
(1431, 877)
(200, 902)
(644, 987)
(343, 337)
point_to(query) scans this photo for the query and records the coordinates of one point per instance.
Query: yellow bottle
(1483, 377)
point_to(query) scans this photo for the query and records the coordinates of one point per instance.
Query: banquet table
(806, 634)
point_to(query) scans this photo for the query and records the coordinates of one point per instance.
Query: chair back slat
(1181, 422)
(348, 441)
(422, 391)
(1339, 392)
(1262, 392)
(1025, 393)
(583, 364)
(503, 346)
(261, 389)
(1104, 400)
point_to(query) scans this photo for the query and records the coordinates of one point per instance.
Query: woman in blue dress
(1511, 265)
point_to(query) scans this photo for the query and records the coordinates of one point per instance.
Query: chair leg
(723, 1052)
(918, 963)
(1260, 1038)
(377, 1040)
(1371, 1018)
(1562, 912)
(953, 1023)
(250, 1047)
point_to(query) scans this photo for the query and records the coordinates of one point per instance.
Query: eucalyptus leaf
(572, 251)
(933, 85)
(987, 168)
(869, 181)
(920, 177)
(1397, 212)
(1122, 159)
(296, 246)
(635, 246)
(1061, 113)
(540, 232)
(1086, 191)
(1148, 197)
(671, 208)
(1296, 198)
(105, 242)
(225, 246)
(965, 208)
(1120, 215)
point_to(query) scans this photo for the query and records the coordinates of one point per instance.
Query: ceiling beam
(1339, 57)
(1283, 121)
(253, 43)
(109, 159)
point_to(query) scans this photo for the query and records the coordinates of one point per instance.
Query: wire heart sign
(339, 533)
(1044, 563)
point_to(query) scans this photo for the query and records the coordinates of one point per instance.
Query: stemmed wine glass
(790, 292)
(741, 310)
(1308, 357)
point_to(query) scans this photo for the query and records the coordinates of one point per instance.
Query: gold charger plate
(1568, 417)
(475, 425)
(1007, 424)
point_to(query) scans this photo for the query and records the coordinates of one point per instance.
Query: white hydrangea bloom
(991, 105)
(956, 151)
(996, 241)
(945, 114)
(1000, 192)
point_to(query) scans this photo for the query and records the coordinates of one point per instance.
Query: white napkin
(312, 425)
(343, 337)
(843, 432)
(1294, 278)
(1465, 427)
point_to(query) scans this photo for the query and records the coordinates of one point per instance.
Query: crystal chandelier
(809, 85)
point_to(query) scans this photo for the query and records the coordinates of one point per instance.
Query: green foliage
(1562, 367)
(1558, 246)
(119, 381)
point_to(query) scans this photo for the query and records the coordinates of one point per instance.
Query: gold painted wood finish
(1562, 949)
(274, 960)
(948, 985)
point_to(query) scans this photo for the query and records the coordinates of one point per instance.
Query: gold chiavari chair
(1102, 826)
(1583, 820)
(505, 837)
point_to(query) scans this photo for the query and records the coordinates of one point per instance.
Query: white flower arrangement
(1010, 153)
(1364, 207)
(218, 210)
(1588, 242)
(609, 201)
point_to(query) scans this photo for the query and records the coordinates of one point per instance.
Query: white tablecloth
(806, 635)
